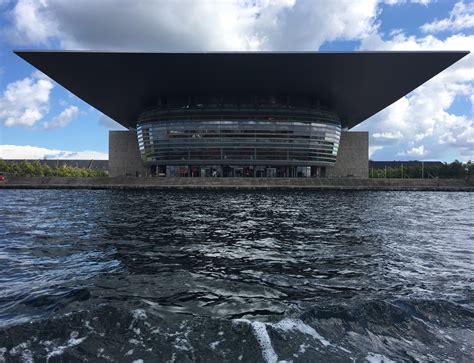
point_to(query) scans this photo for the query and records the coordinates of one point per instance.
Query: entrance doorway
(238, 172)
(271, 172)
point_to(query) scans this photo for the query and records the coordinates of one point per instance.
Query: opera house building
(240, 114)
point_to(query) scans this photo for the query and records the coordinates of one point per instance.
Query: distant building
(240, 114)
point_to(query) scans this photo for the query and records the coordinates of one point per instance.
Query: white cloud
(388, 135)
(419, 151)
(189, 25)
(25, 102)
(63, 118)
(309, 24)
(373, 149)
(425, 113)
(33, 152)
(422, 116)
(398, 2)
(461, 17)
(31, 26)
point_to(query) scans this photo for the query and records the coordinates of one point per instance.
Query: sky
(40, 119)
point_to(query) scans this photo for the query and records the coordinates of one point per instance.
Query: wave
(373, 331)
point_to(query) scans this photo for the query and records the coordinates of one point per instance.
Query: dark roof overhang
(355, 85)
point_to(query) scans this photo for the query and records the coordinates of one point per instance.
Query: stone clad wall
(353, 156)
(124, 155)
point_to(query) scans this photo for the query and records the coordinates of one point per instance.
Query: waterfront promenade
(237, 183)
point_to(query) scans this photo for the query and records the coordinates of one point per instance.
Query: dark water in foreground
(236, 276)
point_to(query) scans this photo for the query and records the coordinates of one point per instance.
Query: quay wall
(237, 183)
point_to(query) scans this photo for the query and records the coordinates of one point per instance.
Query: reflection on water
(251, 276)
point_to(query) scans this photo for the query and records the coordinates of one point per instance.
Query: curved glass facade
(236, 137)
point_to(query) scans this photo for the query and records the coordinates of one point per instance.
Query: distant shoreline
(132, 183)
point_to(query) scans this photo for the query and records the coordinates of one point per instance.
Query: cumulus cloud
(25, 102)
(373, 149)
(309, 24)
(414, 152)
(63, 118)
(33, 152)
(189, 25)
(424, 114)
(388, 135)
(461, 17)
(32, 25)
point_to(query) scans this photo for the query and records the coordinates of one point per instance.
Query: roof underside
(355, 85)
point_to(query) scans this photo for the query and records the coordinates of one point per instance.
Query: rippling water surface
(236, 276)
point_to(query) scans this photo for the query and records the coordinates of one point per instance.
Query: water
(236, 276)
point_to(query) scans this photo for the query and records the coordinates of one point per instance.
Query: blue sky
(38, 118)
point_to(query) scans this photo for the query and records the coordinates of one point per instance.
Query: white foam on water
(100, 354)
(298, 325)
(130, 352)
(73, 341)
(2, 352)
(17, 349)
(138, 361)
(134, 341)
(377, 358)
(172, 359)
(181, 338)
(22, 349)
(260, 331)
(214, 345)
(137, 314)
(87, 324)
(287, 324)
(344, 349)
(303, 348)
(182, 343)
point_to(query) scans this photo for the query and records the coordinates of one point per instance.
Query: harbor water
(251, 276)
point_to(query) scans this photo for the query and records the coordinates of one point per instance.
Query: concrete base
(353, 156)
(124, 155)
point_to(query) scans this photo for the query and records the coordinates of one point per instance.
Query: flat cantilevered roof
(355, 85)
